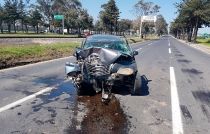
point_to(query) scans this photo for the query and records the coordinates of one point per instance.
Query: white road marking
(176, 114)
(149, 44)
(138, 49)
(169, 44)
(30, 97)
(169, 50)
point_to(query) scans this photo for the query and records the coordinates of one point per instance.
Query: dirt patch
(101, 118)
(36, 41)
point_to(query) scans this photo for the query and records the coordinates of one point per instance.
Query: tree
(71, 13)
(161, 25)
(98, 26)
(84, 21)
(125, 24)
(192, 15)
(21, 12)
(2, 18)
(36, 19)
(109, 15)
(143, 8)
(46, 8)
(10, 8)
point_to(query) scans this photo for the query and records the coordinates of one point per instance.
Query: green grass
(137, 39)
(205, 41)
(35, 50)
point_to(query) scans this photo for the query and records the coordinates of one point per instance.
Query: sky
(167, 9)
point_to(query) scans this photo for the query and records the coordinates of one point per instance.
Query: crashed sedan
(104, 62)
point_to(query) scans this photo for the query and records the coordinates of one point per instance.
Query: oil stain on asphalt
(202, 96)
(192, 71)
(101, 118)
(95, 117)
(184, 61)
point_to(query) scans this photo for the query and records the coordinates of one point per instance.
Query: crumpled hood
(107, 56)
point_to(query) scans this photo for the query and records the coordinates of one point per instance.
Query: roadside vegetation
(137, 39)
(22, 17)
(192, 14)
(21, 55)
(16, 54)
(204, 41)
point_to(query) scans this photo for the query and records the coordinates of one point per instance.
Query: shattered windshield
(117, 45)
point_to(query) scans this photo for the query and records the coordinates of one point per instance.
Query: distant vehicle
(104, 62)
(87, 34)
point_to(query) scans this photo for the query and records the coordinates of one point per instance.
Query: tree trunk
(177, 34)
(79, 33)
(182, 32)
(14, 26)
(68, 30)
(26, 28)
(37, 29)
(22, 25)
(1, 27)
(196, 30)
(190, 34)
(9, 27)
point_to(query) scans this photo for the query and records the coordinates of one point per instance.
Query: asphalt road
(175, 97)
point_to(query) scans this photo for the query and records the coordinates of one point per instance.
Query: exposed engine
(101, 69)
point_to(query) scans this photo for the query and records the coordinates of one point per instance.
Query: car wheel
(136, 89)
(79, 87)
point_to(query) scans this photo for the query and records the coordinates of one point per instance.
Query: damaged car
(104, 62)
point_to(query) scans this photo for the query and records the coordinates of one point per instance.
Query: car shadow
(125, 91)
(144, 87)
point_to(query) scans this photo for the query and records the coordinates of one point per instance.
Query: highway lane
(151, 112)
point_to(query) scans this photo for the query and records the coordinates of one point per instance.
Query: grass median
(13, 55)
(20, 55)
(137, 39)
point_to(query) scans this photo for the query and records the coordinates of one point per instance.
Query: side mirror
(75, 54)
(135, 53)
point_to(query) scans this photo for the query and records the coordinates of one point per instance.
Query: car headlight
(125, 71)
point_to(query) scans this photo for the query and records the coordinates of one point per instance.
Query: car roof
(102, 38)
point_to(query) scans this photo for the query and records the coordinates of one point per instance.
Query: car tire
(136, 89)
(79, 88)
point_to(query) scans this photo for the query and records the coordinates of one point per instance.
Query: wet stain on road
(189, 81)
(186, 114)
(192, 71)
(181, 55)
(205, 112)
(175, 51)
(202, 96)
(101, 118)
(184, 61)
(14, 107)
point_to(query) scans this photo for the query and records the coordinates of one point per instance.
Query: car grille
(97, 69)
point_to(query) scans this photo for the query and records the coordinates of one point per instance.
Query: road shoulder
(197, 46)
